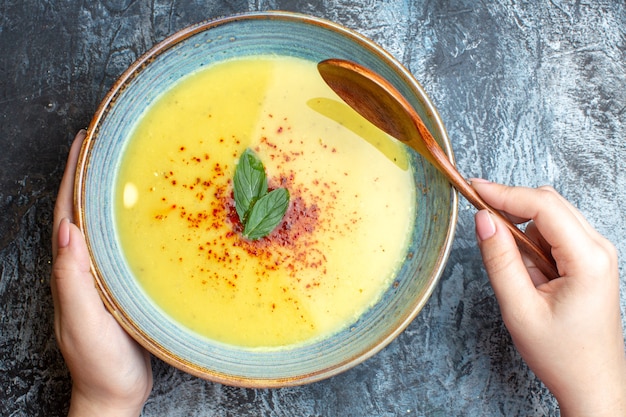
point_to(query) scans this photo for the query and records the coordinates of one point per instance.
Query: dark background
(531, 94)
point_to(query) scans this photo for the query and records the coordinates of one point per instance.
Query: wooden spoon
(382, 104)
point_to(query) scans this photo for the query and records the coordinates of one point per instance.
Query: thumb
(74, 292)
(508, 275)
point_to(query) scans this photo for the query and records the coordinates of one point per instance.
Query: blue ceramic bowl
(155, 72)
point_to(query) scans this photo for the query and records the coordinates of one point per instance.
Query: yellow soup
(345, 233)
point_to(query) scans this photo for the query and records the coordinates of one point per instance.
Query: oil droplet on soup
(343, 238)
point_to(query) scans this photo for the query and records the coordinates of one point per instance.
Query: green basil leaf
(249, 183)
(266, 214)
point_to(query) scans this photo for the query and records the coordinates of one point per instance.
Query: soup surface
(345, 233)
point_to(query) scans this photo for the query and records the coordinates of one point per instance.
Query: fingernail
(485, 226)
(479, 181)
(64, 233)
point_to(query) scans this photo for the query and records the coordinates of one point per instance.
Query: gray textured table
(530, 94)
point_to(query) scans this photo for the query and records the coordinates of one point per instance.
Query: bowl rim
(149, 343)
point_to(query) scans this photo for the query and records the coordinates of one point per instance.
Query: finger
(504, 264)
(563, 228)
(476, 183)
(74, 293)
(65, 198)
(573, 210)
(64, 206)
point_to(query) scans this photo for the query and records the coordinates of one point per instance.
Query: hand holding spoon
(378, 101)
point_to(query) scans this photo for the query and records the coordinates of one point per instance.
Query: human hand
(568, 330)
(111, 373)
